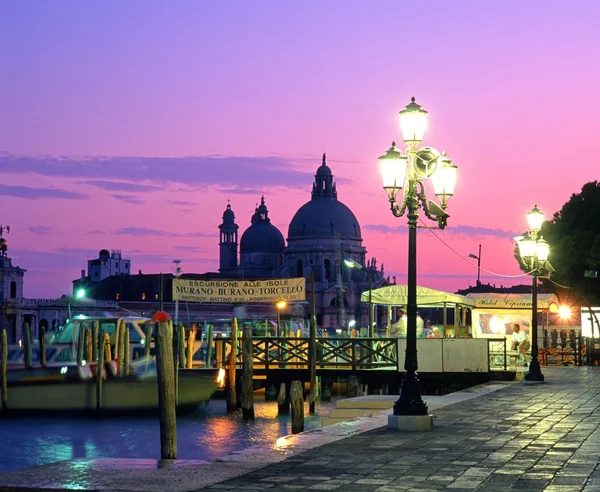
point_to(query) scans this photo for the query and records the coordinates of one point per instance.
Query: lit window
(144, 296)
(118, 296)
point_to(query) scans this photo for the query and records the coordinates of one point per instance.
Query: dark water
(203, 435)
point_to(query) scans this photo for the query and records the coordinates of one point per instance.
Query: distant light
(63, 370)
(564, 312)
(83, 363)
(80, 293)
(281, 304)
(352, 323)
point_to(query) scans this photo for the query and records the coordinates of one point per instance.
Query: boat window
(134, 335)
(65, 335)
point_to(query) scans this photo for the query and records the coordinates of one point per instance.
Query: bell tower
(11, 277)
(228, 242)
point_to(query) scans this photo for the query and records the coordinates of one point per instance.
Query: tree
(574, 238)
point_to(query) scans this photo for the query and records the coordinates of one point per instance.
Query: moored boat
(72, 388)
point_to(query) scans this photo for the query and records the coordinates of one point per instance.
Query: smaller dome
(262, 236)
(104, 253)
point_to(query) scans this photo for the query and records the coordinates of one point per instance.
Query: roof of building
(262, 236)
(324, 216)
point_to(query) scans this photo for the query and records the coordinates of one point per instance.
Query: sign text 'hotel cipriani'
(230, 291)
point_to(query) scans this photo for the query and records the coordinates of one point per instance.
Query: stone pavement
(529, 437)
(517, 436)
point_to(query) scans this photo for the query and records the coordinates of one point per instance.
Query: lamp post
(79, 294)
(534, 251)
(408, 172)
(280, 306)
(478, 258)
(350, 263)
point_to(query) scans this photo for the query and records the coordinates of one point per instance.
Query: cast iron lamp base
(535, 372)
(410, 401)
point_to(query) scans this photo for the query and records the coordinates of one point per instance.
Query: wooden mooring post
(190, 349)
(89, 344)
(283, 402)
(3, 372)
(43, 346)
(100, 345)
(121, 349)
(231, 391)
(80, 343)
(209, 344)
(247, 375)
(95, 328)
(147, 340)
(27, 343)
(181, 342)
(297, 397)
(165, 372)
(127, 354)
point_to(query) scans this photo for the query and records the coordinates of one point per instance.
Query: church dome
(324, 216)
(262, 236)
(324, 219)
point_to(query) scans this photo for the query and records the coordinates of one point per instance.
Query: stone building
(321, 234)
(16, 310)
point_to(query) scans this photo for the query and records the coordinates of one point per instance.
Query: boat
(62, 345)
(69, 384)
(72, 388)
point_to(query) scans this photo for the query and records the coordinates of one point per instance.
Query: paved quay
(503, 437)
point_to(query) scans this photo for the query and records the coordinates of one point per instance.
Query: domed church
(322, 233)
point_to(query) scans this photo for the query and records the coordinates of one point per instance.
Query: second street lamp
(534, 251)
(350, 263)
(406, 172)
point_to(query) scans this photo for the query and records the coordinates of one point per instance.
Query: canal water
(206, 434)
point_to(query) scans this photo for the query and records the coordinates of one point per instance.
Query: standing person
(520, 341)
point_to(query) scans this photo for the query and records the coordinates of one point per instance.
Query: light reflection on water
(204, 435)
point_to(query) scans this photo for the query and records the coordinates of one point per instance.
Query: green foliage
(574, 238)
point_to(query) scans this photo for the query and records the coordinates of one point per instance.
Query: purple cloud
(257, 172)
(461, 230)
(183, 203)
(242, 191)
(38, 193)
(132, 199)
(143, 231)
(119, 185)
(40, 230)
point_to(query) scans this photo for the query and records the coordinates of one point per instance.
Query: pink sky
(128, 125)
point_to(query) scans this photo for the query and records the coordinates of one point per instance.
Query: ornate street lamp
(407, 172)
(350, 263)
(534, 251)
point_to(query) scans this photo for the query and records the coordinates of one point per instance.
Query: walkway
(517, 436)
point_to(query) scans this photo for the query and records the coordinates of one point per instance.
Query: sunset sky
(128, 125)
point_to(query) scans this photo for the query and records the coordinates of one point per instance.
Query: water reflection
(204, 435)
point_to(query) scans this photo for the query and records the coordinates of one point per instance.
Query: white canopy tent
(397, 295)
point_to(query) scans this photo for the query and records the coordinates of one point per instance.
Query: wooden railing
(332, 353)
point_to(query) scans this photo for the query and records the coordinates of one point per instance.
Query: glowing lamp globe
(444, 181)
(535, 219)
(413, 123)
(393, 171)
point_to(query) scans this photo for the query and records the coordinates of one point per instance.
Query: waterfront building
(16, 310)
(321, 235)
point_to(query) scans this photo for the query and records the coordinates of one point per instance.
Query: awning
(396, 295)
